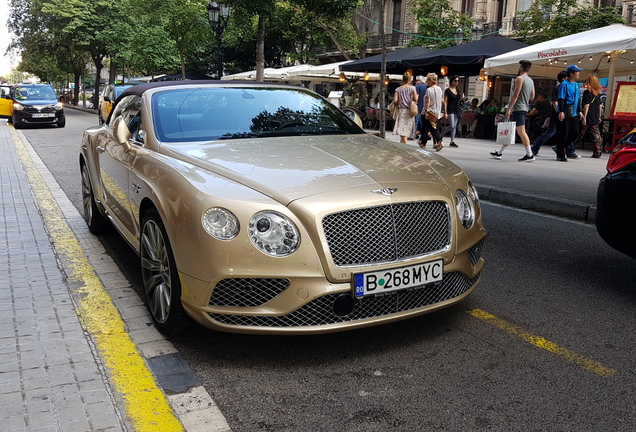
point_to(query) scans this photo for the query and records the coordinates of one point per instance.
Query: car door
(6, 101)
(114, 166)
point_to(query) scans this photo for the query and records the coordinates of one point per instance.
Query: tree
(437, 23)
(551, 19)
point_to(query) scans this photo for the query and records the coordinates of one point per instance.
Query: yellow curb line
(145, 404)
(539, 342)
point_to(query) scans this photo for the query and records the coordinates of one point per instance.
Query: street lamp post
(218, 15)
(459, 36)
(477, 31)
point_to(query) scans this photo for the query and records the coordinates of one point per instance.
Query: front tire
(61, 123)
(160, 277)
(94, 219)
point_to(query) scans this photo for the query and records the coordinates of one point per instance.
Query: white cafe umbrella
(245, 76)
(331, 72)
(607, 51)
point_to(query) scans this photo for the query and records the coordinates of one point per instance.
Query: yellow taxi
(6, 101)
(107, 100)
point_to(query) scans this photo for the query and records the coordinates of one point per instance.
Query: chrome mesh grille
(247, 292)
(320, 311)
(474, 253)
(387, 233)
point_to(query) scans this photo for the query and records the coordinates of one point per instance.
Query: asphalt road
(545, 343)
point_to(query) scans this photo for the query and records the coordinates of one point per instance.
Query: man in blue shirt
(420, 88)
(569, 112)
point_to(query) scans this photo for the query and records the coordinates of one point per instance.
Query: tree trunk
(98, 79)
(260, 48)
(112, 72)
(382, 72)
(77, 75)
(182, 58)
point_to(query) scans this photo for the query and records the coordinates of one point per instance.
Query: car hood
(38, 102)
(291, 168)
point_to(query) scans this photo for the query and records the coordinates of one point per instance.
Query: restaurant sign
(551, 54)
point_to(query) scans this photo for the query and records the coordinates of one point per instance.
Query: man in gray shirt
(522, 90)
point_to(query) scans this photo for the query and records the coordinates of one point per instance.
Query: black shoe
(496, 155)
(573, 156)
(562, 159)
(452, 144)
(527, 158)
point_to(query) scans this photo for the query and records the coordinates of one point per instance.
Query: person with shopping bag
(522, 89)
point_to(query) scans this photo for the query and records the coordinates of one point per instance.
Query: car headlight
(18, 107)
(58, 106)
(465, 208)
(220, 223)
(472, 192)
(273, 233)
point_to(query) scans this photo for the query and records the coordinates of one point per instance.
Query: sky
(5, 38)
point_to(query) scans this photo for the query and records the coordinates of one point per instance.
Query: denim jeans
(544, 137)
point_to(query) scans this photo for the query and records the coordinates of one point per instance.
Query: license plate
(385, 281)
(43, 115)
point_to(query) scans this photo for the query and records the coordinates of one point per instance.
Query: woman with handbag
(405, 95)
(432, 113)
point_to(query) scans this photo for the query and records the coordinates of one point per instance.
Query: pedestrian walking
(554, 116)
(569, 113)
(404, 95)
(432, 113)
(522, 89)
(420, 89)
(451, 112)
(592, 109)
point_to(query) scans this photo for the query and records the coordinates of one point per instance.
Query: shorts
(519, 117)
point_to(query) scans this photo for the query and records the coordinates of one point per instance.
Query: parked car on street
(262, 208)
(107, 99)
(36, 104)
(616, 198)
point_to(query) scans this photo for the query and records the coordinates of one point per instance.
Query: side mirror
(121, 133)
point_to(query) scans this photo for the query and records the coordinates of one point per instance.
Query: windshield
(35, 93)
(227, 113)
(119, 90)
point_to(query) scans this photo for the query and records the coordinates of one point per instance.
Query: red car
(616, 198)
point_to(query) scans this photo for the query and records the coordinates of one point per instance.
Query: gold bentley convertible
(260, 208)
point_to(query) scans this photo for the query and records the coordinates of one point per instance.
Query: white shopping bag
(506, 133)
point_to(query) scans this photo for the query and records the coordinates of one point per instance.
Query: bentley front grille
(474, 253)
(247, 292)
(320, 311)
(387, 233)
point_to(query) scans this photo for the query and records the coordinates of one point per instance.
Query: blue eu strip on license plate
(384, 281)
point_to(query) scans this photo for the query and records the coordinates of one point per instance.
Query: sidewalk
(50, 375)
(545, 185)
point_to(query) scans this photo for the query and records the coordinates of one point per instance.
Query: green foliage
(438, 22)
(551, 19)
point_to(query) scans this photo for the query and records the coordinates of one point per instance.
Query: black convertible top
(140, 89)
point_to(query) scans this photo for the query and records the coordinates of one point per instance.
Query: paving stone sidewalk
(51, 378)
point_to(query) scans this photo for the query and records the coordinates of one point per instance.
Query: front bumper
(313, 305)
(24, 117)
